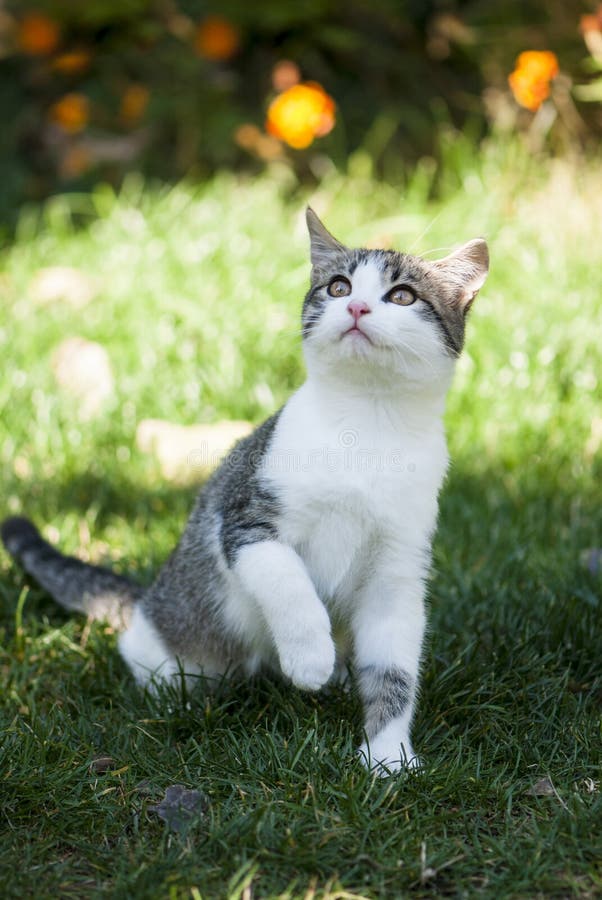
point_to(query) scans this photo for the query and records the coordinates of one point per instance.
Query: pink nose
(357, 308)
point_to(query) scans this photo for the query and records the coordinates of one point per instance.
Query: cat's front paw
(309, 663)
(384, 758)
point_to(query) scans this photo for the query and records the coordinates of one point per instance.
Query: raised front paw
(385, 757)
(309, 660)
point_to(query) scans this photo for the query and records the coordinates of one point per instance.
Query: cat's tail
(92, 590)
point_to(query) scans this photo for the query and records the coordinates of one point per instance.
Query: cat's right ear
(323, 245)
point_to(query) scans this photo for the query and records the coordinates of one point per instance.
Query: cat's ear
(323, 244)
(465, 270)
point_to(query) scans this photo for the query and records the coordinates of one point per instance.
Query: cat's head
(383, 312)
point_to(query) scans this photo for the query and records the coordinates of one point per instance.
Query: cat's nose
(357, 308)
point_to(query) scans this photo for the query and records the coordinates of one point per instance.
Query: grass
(198, 291)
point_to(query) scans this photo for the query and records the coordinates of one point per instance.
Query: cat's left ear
(465, 270)
(323, 245)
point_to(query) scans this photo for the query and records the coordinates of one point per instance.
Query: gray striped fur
(184, 603)
(386, 694)
(440, 285)
(77, 586)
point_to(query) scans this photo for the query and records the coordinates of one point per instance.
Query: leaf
(589, 93)
(180, 807)
(188, 452)
(62, 283)
(82, 369)
(102, 764)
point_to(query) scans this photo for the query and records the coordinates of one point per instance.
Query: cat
(309, 546)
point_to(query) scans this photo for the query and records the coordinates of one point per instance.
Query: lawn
(196, 293)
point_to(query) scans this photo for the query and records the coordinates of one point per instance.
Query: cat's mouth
(356, 333)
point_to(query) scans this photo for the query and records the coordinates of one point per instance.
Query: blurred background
(155, 159)
(183, 88)
(155, 162)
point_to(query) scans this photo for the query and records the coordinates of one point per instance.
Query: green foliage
(161, 100)
(198, 294)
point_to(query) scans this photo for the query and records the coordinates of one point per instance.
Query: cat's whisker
(435, 252)
(424, 233)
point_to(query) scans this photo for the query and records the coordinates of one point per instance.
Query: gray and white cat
(310, 545)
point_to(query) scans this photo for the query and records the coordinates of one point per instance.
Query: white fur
(357, 461)
(145, 653)
(391, 749)
(400, 348)
(274, 576)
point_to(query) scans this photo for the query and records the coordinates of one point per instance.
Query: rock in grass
(542, 788)
(82, 369)
(180, 807)
(62, 283)
(187, 453)
(102, 764)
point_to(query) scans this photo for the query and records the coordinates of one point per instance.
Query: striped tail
(92, 590)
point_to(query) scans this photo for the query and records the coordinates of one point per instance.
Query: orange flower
(542, 64)
(216, 38)
(72, 63)
(38, 35)
(133, 103)
(300, 114)
(71, 112)
(591, 22)
(530, 80)
(590, 27)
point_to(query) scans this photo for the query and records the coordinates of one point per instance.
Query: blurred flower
(216, 38)
(71, 112)
(75, 162)
(37, 35)
(72, 63)
(250, 138)
(444, 30)
(133, 103)
(181, 26)
(285, 74)
(246, 135)
(300, 114)
(592, 22)
(530, 80)
(590, 27)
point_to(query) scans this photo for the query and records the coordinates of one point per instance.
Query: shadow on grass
(107, 497)
(514, 613)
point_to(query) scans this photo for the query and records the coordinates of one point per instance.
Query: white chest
(347, 484)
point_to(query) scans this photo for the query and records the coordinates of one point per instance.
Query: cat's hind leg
(146, 654)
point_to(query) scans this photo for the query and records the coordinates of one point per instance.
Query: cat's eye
(402, 295)
(339, 287)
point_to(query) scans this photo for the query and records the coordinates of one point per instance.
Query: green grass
(197, 304)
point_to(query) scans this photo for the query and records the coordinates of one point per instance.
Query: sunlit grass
(197, 300)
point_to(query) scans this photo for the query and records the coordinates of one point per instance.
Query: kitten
(310, 544)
